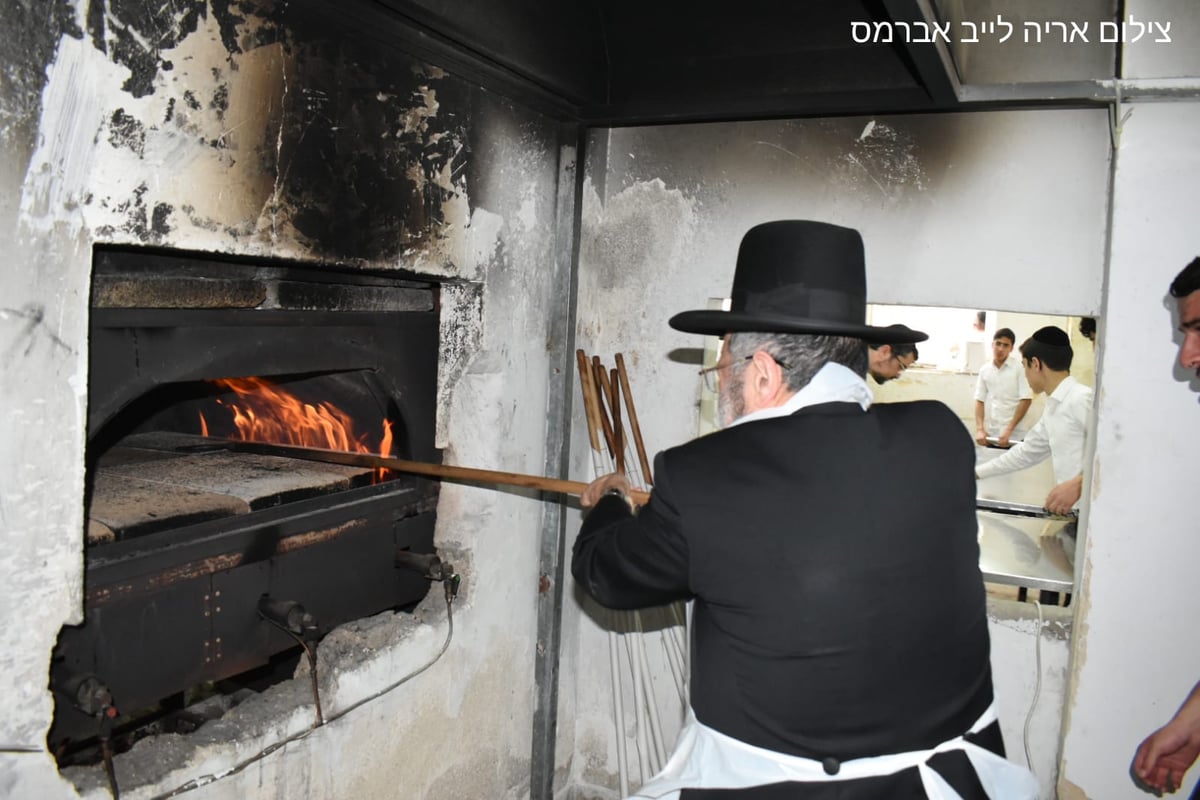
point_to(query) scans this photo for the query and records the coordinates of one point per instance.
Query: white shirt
(1061, 434)
(1000, 389)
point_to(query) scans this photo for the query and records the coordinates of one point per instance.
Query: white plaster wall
(1018, 659)
(1136, 652)
(1149, 58)
(462, 729)
(968, 210)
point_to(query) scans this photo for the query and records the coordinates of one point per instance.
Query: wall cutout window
(957, 336)
(1021, 548)
(948, 363)
(960, 344)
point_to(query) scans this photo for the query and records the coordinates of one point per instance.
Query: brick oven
(205, 562)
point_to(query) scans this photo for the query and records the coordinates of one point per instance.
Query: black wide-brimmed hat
(797, 276)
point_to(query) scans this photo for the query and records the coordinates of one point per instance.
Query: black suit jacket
(834, 562)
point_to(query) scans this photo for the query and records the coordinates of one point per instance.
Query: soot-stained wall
(292, 130)
(334, 144)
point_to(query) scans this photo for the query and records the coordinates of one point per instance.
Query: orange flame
(266, 412)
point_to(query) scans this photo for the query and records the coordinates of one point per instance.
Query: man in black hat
(839, 632)
(1061, 432)
(886, 362)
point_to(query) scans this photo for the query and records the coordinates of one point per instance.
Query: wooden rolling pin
(470, 474)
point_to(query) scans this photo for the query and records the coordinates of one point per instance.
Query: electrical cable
(451, 589)
(1037, 689)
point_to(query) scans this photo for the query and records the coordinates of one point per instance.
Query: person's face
(1000, 350)
(886, 365)
(1189, 324)
(1033, 375)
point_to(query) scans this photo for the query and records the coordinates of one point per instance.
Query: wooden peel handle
(560, 485)
(424, 468)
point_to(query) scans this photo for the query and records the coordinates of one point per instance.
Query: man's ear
(768, 375)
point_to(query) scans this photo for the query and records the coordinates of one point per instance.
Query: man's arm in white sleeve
(1035, 449)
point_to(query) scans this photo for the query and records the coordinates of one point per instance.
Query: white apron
(705, 758)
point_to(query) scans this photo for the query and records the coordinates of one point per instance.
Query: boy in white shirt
(1061, 433)
(1002, 394)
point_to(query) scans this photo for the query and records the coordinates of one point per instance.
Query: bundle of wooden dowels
(607, 398)
(608, 403)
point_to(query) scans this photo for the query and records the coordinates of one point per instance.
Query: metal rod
(1018, 509)
(614, 668)
(652, 715)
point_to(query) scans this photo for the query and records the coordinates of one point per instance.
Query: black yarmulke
(1053, 336)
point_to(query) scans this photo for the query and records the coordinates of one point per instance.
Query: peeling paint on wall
(633, 242)
(885, 157)
(459, 333)
(31, 36)
(278, 136)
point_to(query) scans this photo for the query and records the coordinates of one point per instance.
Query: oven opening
(172, 457)
(212, 569)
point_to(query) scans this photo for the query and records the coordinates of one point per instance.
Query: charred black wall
(305, 133)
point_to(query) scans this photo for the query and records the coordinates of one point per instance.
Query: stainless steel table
(1021, 551)
(1025, 552)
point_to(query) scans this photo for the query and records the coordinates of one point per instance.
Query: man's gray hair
(804, 354)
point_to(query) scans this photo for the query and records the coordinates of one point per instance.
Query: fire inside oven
(198, 553)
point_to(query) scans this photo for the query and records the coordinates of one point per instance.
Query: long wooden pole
(470, 474)
(614, 401)
(587, 383)
(599, 378)
(634, 428)
(588, 386)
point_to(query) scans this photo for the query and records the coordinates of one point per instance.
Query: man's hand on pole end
(602, 486)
